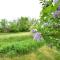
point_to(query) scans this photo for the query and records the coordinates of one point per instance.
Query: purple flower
(55, 1)
(37, 36)
(58, 8)
(34, 30)
(56, 14)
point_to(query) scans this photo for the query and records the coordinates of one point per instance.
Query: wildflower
(34, 30)
(58, 9)
(55, 1)
(56, 14)
(37, 36)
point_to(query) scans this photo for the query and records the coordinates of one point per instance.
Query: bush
(22, 47)
(23, 24)
(49, 21)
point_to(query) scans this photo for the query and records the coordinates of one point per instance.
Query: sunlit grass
(7, 35)
(46, 53)
(43, 53)
(20, 41)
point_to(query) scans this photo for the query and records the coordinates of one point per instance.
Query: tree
(50, 21)
(34, 23)
(13, 27)
(3, 25)
(23, 24)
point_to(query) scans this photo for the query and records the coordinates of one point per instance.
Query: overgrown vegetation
(18, 45)
(50, 22)
(23, 24)
(43, 40)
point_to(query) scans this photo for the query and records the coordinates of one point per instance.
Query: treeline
(23, 24)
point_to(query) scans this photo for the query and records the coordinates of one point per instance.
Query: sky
(13, 9)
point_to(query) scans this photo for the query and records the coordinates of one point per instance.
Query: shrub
(50, 21)
(22, 47)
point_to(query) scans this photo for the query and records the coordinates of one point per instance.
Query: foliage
(34, 24)
(49, 24)
(16, 45)
(23, 24)
(3, 25)
(13, 26)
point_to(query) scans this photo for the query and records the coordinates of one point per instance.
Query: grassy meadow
(21, 46)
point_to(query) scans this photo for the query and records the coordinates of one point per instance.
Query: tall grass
(18, 45)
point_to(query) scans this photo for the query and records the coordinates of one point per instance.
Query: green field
(21, 46)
